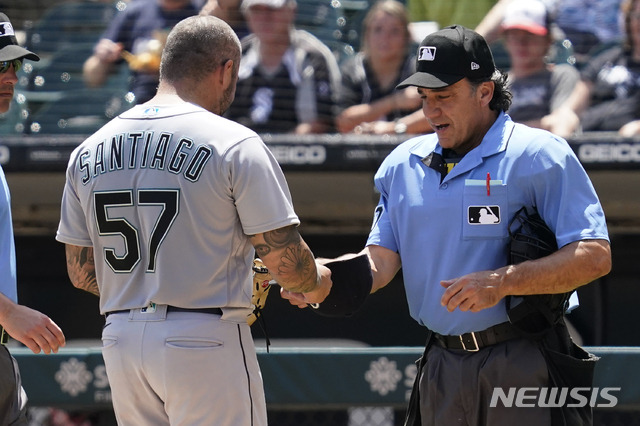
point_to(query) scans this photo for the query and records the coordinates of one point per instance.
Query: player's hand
(302, 300)
(34, 329)
(473, 292)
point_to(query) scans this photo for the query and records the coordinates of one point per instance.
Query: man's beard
(227, 99)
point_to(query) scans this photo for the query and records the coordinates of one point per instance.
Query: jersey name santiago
(167, 196)
(142, 150)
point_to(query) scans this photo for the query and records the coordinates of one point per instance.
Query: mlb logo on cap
(427, 53)
(9, 48)
(462, 53)
(6, 29)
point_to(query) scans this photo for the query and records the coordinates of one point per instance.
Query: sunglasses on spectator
(4, 65)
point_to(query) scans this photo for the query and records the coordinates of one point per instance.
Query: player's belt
(474, 341)
(4, 336)
(213, 311)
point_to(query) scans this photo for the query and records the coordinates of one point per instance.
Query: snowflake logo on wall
(383, 376)
(73, 376)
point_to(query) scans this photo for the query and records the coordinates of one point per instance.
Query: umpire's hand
(472, 292)
(34, 329)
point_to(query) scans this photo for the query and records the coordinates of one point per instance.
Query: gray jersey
(167, 196)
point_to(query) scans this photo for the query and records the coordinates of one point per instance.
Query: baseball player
(32, 328)
(163, 211)
(456, 271)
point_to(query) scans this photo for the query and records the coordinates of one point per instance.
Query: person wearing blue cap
(447, 203)
(32, 328)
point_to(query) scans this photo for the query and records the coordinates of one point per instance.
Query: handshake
(352, 282)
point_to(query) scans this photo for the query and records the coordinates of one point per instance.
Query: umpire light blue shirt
(438, 230)
(7, 247)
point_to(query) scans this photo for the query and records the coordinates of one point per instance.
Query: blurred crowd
(316, 66)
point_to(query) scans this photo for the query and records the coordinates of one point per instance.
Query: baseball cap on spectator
(530, 16)
(9, 47)
(449, 55)
(275, 4)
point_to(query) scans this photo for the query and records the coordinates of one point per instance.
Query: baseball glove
(261, 285)
(530, 239)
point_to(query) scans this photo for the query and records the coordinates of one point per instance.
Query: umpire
(447, 201)
(36, 330)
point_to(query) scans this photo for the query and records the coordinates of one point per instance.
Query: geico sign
(299, 154)
(604, 152)
(553, 397)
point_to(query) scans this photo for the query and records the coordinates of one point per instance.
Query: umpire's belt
(213, 311)
(477, 340)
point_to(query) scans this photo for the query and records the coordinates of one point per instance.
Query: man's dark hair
(501, 100)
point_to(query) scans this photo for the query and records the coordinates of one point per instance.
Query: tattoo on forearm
(262, 250)
(81, 269)
(296, 270)
(298, 264)
(277, 239)
(281, 237)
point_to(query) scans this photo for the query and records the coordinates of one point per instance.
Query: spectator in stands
(137, 34)
(34, 329)
(607, 98)
(587, 24)
(288, 78)
(538, 87)
(228, 11)
(369, 100)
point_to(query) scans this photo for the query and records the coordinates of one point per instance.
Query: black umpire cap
(449, 55)
(9, 47)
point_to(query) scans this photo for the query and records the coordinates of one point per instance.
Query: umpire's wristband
(352, 282)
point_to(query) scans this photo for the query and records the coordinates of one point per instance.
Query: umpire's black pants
(456, 387)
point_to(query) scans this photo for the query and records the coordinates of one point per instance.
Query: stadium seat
(355, 14)
(79, 111)
(62, 71)
(75, 23)
(14, 120)
(322, 18)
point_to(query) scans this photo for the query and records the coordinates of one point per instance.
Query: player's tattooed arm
(288, 258)
(81, 268)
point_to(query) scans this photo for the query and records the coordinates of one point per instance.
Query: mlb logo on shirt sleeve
(483, 215)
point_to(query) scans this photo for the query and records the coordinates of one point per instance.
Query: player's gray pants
(457, 386)
(182, 368)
